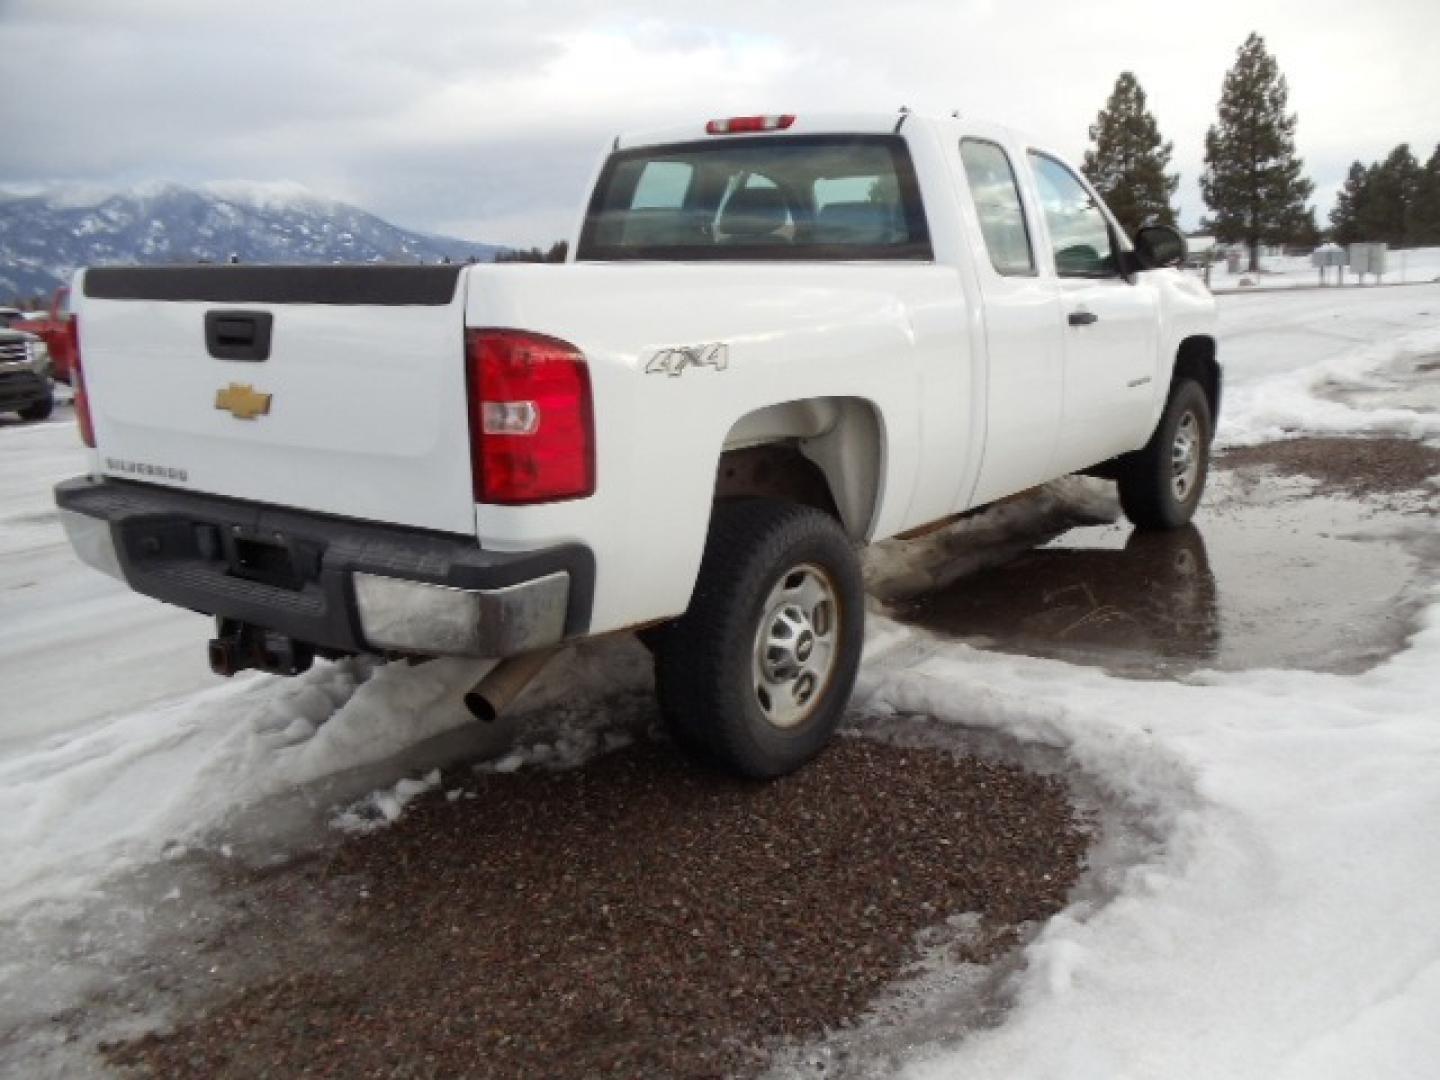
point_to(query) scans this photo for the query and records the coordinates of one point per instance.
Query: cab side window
(1079, 232)
(997, 204)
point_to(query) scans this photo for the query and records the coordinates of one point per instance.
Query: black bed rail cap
(372, 284)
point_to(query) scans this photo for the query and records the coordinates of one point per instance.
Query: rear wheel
(757, 673)
(1160, 484)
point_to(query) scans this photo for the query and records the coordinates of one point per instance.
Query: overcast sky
(484, 119)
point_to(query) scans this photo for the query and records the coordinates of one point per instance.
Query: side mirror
(1158, 246)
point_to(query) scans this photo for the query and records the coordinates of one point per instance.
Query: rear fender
(841, 437)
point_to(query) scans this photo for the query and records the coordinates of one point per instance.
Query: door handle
(1083, 318)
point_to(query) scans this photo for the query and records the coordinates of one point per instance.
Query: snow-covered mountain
(45, 234)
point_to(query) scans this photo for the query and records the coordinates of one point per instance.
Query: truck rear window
(792, 197)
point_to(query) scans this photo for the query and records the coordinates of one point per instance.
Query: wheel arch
(1195, 358)
(826, 452)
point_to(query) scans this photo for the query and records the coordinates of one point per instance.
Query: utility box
(1368, 259)
(1327, 256)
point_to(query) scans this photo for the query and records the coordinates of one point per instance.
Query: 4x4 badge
(674, 361)
(242, 401)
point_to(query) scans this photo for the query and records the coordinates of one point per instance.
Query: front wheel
(757, 673)
(1160, 484)
(39, 410)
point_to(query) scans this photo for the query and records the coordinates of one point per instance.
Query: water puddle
(1268, 575)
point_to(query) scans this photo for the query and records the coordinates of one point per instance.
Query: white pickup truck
(777, 337)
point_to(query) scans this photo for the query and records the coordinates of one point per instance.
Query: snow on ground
(73, 645)
(1278, 351)
(1403, 266)
(99, 799)
(1286, 928)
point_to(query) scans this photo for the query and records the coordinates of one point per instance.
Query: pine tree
(1427, 202)
(1252, 180)
(1388, 213)
(1127, 160)
(1350, 204)
(1306, 231)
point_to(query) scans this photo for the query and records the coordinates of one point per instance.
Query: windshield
(795, 197)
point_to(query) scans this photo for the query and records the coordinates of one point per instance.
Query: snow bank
(84, 807)
(1285, 919)
(1287, 403)
(895, 569)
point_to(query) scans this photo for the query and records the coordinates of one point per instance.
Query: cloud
(486, 116)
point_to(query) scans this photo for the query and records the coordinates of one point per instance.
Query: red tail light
(532, 430)
(736, 125)
(77, 382)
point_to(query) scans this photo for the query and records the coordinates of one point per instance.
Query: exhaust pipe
(502, 684)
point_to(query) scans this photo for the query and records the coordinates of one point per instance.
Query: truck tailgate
(356, 408)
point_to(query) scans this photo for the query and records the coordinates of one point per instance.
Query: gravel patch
(1359, 467)
(635, 917)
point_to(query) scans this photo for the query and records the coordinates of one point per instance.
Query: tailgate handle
(238, 335)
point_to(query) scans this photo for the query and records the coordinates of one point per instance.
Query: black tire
(653, 637)
(724, 692)
(39, 410)
(1150, 479)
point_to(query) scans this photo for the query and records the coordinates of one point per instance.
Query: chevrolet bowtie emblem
(242, 402)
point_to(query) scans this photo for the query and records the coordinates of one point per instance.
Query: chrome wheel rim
(1185, 454)
(795, 645)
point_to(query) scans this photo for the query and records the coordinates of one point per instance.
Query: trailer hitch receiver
(240, 647)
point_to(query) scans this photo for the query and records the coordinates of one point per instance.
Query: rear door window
(997, 204)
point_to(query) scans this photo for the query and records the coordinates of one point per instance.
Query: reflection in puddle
(1316, 583)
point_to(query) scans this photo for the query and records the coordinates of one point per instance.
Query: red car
(54, 329)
